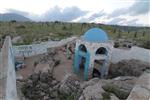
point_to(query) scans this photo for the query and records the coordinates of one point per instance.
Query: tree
(135, 34)
(143, 34)
(119, 34)
(114, 31)
(64, 28)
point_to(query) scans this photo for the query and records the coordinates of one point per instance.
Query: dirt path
(28, 70)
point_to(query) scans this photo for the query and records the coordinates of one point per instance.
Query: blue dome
(95, 35)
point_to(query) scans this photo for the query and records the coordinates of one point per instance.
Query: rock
(113, 97)
(89, 83)
(93, 92)
(128, 68)
(43, 77)
(125, 83)
(39, 86)
(46, 97)
(141, 90)
(56, 87)
(44, 86)
(41, 68)
(56, 62)
(34, 77)
(54, 94)
(70, 86)
(54, 82)
(42, 94)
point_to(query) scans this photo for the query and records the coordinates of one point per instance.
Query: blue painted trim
(76, 63)
(77, 60)
(86, 69)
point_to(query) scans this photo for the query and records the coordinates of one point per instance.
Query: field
(35, 32)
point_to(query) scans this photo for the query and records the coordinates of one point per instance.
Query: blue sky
(121, 12)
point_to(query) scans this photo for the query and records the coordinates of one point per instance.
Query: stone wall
(7, 73)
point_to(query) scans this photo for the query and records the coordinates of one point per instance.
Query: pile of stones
(43, 86)
(40, 86)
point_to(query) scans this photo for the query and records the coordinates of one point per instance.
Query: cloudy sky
(121, 12)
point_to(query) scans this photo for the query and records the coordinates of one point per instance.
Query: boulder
(128, 68)
(113, 97)
(89, 83)
(93, 92)
(70, 86)
(41, 68)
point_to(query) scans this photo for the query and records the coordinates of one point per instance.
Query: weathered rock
(34, 77)
(141, 90)
(125, 83)
(39, 86)
(44, 77)
(41, 68)
(89, 83)
(128, 68)
(70, 86)
(93, 92)
(54, 94)
(113, 97)
(46, 97)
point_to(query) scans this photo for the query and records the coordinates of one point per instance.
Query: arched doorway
(82, 48)
(82, 60)
(97, 68)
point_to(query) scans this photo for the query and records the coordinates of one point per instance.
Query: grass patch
(32, 31)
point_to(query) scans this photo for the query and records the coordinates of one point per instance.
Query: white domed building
(93, 54)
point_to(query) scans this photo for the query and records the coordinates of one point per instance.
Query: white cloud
(98, 10)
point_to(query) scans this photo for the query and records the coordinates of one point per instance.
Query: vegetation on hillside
(34, 32)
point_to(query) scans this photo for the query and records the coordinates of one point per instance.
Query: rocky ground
(48, 81)
(43, 86)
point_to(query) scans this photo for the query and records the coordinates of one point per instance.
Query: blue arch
(95, 35)
(77, 60)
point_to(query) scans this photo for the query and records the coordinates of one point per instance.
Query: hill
(13, 16)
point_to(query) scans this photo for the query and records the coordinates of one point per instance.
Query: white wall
(34, 49)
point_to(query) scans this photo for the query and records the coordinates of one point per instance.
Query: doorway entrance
(98, 64)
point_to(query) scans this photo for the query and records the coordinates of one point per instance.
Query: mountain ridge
(13, 16)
